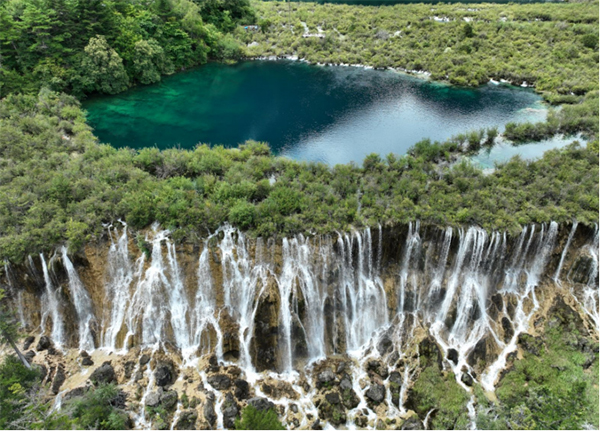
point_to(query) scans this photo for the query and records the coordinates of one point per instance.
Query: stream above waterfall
(329, 114)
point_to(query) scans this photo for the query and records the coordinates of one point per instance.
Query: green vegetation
(436, 392)
(107, 45)
(555, 385)
(254, 419)
(24, 403)
(58, 185)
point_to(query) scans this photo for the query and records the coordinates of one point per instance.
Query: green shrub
(253, 419)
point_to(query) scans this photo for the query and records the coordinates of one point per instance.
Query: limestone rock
(169, 399)
(187, 420)
(209, 413)
(376, 393)
(261, 404)
(152, 399)
(105, 373)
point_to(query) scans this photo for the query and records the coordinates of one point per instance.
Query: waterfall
(51, 307)
(82, 304)
(328, 296)
(119, 278)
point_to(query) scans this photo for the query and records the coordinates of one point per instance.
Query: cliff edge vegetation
(58, 184)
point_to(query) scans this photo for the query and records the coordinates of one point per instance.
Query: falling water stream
(336, 295)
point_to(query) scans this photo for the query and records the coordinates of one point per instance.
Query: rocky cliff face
(332, 329)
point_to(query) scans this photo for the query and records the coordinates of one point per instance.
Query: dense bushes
(106, 45)
(57, 185)
(254, 419)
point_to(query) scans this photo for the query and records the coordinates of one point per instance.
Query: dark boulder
(105, 373)
(209, 412)
(59, 379)
(325, 378)
(220, 382)
(333, 398)
(43, 344)
(169, 400)
(412, 423)
(77, 392)
(163, 375)
(144, 359)
(242, 389)
(87, 361)
(28, 342)
(187, 420)
(262, 404)
(453, 355)
(466, 379)
(230, 410)
(376, 393)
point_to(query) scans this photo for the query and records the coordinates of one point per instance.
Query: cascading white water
(81, 302)
(51, 307)
(119, 276)
(332, 298)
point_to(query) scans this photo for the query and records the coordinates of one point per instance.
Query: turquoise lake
(328, 114)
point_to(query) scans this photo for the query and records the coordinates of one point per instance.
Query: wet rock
(213, 363)
(333, 398)
(325, 378)
(163, 375)
(453, 355)
(346, 383)
(385, 344)
(43, 344)
(144, 359)
(128, 368)
(230, 410)
(466, 379)
(396, 378)
(341, 368)
(105, 373)
(187, 420)
(350, 399)
(316, 425)
(376, 393)
(169, 400)
(209, 413)
(87, 362)
(220, 382)
(497, 301)
(29, 355)
(152, 399)
(242, 389)
(507, 327)
(412, 423)
(28, 342)
(262, 404)
(84, 354)
(361, 421)
(294, 408)
(59, 379)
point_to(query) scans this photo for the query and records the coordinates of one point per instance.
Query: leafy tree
(102, 68)
(150, 62)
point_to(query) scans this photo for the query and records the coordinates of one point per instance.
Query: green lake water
(328, 114)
